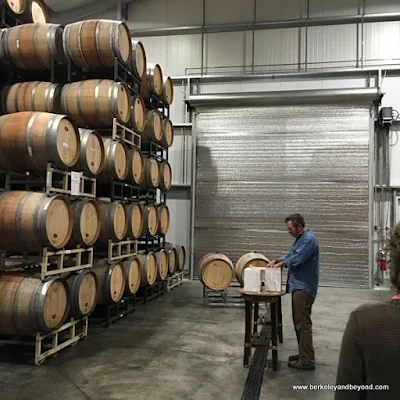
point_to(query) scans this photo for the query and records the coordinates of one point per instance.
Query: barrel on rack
(172, 259)
(96, 102)
(116, 163)
(86, 229)
(162, 264)
(29, 140)
(181, 257)
(167, 94)
(252, 259)
(138, 114)
(148, 269)
(152, 82)
(15, 6)
(139, 59)
(92, 157)
(31, 221)
(152, 173)
(113, 220)
(83, 292)
(216, 271)
(153, 131)
(166, 175)
(36, 12)
(28, 305)
(135, 221)
(167, 138)
(136, 167)
(34, 46)
(150, 219)
(31, 96)
(132, 275)
(163, 219)
(110, 281)
(96, 43)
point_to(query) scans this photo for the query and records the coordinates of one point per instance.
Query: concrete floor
(176, 348)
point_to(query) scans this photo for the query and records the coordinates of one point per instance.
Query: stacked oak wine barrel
(36, 139)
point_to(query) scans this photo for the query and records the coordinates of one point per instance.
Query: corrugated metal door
(255, 166)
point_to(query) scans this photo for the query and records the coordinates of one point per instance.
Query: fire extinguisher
(382, 260)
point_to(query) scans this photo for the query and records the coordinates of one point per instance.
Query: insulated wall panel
(255, 166)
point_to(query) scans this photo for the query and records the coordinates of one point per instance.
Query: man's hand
(272, 264)
(279, 264)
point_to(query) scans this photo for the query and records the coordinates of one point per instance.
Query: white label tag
(65, 145)
(75, 183)
(30, 152)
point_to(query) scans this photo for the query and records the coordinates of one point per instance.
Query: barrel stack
(84, 172)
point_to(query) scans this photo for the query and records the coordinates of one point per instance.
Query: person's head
(394, 251)
(295, 224)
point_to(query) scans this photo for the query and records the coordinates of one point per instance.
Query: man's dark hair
(296, 220)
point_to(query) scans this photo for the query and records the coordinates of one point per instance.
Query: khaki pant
(301, 310)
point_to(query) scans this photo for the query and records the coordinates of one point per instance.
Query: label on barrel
(75, 183)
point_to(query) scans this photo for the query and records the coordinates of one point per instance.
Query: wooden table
(252, 338)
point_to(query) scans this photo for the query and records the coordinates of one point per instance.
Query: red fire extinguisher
(382, 260)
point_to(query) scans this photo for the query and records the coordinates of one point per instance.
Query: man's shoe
(301, 365)
(294, 358)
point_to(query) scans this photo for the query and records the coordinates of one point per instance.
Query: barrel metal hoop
(116, 43)
(116, 87)
(107, 279)
(6, 48)
(43, 219)
(51, 42)
(110, 212)
(96, 98)
(35, 49)
(32, 304)
(34, 89)
(82, 158)
(65, 38)
(36, 228)
(16, 109)
(51, 140)
(77, 228)
(64, 102)
(24, 66)
(111, 39)
(17, 322)
(42, 296)
(109, 100)
(80, 44)
(18, 219)
(78, 100)
(97, 36)
(28, 137)
(3, 162)
(47, 96)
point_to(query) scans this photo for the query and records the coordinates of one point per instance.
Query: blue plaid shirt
(303, 263)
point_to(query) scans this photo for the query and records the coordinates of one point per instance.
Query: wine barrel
(135, 221)
(135, 164)
(28, 305)
(36, 12)
(15, 6)
(83, 291)
(139, 59)
(116, 163)
(30, 221)
(96, 102)
(29, 140)
(86, 228)
(95, 43)
(163, 219)
(132, 275)
(148, 269)
(34, 46)
(216, 271)
(110, 281)
(181, 258)
(167, 94)
(92, 157)
(150, 219)
(152, 81)
(166, 175)
(113, 221)
(167, 138)
(31, 96)
(152, 173)
(138, 114)
(252, 259)
(162, 265)
(153, 130)
(172, 259)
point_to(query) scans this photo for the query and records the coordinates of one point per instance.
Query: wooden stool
(252, 338)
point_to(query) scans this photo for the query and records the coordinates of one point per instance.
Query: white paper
(75, 183)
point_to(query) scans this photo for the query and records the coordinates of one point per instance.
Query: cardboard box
(262, 279)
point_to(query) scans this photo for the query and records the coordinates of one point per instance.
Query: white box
(252, 279)
(273, 280)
